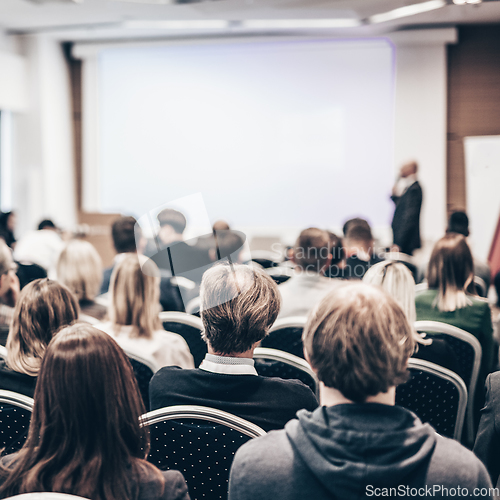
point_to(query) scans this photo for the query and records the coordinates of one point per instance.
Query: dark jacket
(406, 220)
(347, 451)
(487, 444)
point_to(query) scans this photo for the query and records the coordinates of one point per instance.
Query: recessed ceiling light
(408, 10)
(300, 23)
(177, 25)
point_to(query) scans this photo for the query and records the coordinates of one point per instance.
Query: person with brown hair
(239, 304)
(359, 443)
(85, 438)
(44, 306)
(9, 285)
(80, 268)
(311, 256)
(134, 315)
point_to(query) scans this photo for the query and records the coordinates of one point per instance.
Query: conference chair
(286, 335)
(275, 363)
(46, 495)
(468, 352)
(15, 416)
(193, 307)
(265, 258)
(200, 442)
(143, 371)
(4, 333)
(280, 274)
(190, 328)
(436, 395)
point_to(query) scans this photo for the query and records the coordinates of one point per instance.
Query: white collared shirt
(228, 365)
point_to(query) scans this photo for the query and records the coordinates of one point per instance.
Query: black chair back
(286, 335)
(275, 363)
(201, 443)
(190, 328)
(436, 395)
(15, 416)
(143, 372)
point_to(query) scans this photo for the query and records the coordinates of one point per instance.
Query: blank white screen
(271, 133)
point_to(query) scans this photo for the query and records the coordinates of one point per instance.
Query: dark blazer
(487, 443)
(406, 220)
(268, 402)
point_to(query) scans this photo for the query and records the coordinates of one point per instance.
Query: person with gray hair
(238, 306)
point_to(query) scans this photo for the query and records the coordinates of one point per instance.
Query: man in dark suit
(407, 195)
(238, 306)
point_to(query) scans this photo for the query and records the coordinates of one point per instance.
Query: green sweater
(475, 319)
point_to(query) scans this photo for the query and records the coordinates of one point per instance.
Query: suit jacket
(487, 443)
(268, 402)
(406, 220)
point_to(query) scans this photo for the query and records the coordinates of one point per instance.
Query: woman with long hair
(396, 279)
(84, 437)
(80, 268)
(43, 307)
(134, 315)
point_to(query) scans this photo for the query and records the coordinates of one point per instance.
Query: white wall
(420, 121)
(42, 152)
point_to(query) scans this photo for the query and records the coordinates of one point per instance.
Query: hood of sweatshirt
(351, 447)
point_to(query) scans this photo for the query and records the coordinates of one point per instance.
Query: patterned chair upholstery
(286, 335)
(436, 395)
(143, 371)
(15, 416)
(190, 328)
(201, 443)
(275, 363)
(468, 352)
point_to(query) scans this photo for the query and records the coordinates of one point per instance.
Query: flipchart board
(482, 165)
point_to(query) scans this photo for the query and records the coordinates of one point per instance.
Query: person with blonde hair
(44, 306)
(134, 315)
(358, 443)
(396, 279)
(80, 268)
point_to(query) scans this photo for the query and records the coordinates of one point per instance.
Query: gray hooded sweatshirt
(353, 451)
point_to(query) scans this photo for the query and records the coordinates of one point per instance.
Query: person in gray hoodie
(358, 444)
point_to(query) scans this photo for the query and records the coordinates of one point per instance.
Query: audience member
(396, 279)
(358, 243)
(133, 314)
(85, 438)
(80, 269)
(41, 247)
(497, 287)
(239, 305)
(9, 286)
(358, 443)
(123, 232)
(7, 228)
(308, 285)
(459, 223)
(407, 196)
(43, 307)
(488, 435)
(449, 274)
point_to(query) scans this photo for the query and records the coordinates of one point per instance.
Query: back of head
(458, 223)
(312, 250)
(396, 279)
(359, 234)
(359, 341)
(47, 224)
(336, 248)
(220, 225)
(172, 218)
(450, 271)
(43, 307)
(135, 295)
(238, 306)
(6, 259)
(123, 233)
(356, 221)
(80, 268)
(84, 433)
(410, 168)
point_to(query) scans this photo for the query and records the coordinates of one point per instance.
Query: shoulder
(171, 338)
(161, 485)
(452, 462)
(291, 391)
